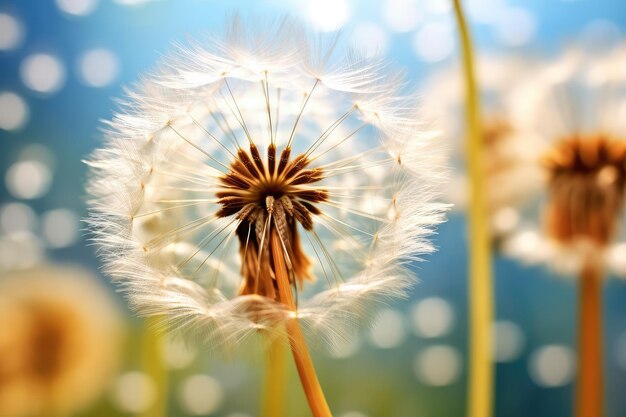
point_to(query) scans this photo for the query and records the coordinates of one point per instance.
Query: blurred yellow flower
(60, 341)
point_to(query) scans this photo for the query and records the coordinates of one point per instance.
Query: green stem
(275, 386)
(480, 383)
(152, 350)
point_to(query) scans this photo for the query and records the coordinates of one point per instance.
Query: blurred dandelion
(577, 106)
(60, 341)
(510, 152)
(244, 168)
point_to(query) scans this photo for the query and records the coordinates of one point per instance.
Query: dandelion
(60, 342)
(577, 105)
(509, 151)
(264, 182)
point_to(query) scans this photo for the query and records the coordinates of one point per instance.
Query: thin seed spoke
(228, 131)
(204, 243)
(266, 93)
(164, 209)
(341, 206)
(354, 132)
(329, 130)
(331, 263)
(354, 244)
(186, 228)
(319, 259)
(351, 158)
(347, 225)
(240, 119)
(190, 200)
(354, 168)
(204, 261)
(277, 118)
(208, 155)
(220, 262)
(210, 135)
(306, 101)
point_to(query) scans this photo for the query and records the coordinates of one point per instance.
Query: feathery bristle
(183, 202)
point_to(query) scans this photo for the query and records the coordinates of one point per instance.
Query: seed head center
(587, 184)
(266, 196)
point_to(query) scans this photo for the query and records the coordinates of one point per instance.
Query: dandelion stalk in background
(245, 169)
(587, 184)
(275, 384)
(589, 398)
(480, 382)
(574, 104)
(153, 365)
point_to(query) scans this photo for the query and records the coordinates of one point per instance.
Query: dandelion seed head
(510, 153)
(232, 141)
(575, 107)
(61, 340)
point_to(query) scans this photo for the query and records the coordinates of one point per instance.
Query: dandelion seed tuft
(236, 148)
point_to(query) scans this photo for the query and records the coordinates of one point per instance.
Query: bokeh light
(77, 7)
(134, 392)
(353, 414)
(14, 111)
(389, 329)
(438, 365)
(370, 39)
(552, 366)
(401, 15)
(327, 15)
(434, 42)
(432, 317)
(43, 73)
(201, 395)
(509, 341)
(20, 250)
(177, 354)
(28, 179)
(60, 227)
(99, 67)
(515, 26)
(11, 32)
(505, 220)
(17, 217)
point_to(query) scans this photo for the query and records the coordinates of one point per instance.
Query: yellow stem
(589, 399)
(480, 383)
(275, 386)
(301, 356)
(152, 350)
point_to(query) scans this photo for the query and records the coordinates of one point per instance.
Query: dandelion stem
(275, 380)
(480, 384)
(301, 356)
(153, 366)
(589, 400)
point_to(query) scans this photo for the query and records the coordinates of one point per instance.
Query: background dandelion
(65, 342)
(582, 113)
